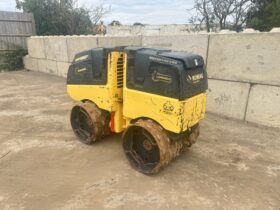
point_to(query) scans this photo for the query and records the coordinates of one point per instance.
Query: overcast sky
(130, 11)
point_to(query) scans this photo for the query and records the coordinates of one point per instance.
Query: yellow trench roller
(156, 97)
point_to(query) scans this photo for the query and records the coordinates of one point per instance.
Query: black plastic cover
(163, 72)
(89, 68)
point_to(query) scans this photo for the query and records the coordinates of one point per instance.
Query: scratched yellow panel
(194, 110)
(104, 96)
(98, 94)
(172, 114)
(166, 111)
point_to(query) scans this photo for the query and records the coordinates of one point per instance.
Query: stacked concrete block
(47, 66)
(182, 29)
(275, 30)
(121, 31)
(228, 98)
(247, 57)
(153, 30)
(30, 63)
(135, 30)
(264, 105)
(62, 69)
(157, 41)
(56, 48)
(76, 44)
(111, 41)
(195, 43)
(36, 47)
(81, 43)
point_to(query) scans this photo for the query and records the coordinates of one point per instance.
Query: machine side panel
(166, 111)
(100, 95)
(173, 115)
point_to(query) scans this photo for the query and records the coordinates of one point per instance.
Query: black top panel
(190, 60)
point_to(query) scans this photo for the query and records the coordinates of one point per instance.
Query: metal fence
(15, 27)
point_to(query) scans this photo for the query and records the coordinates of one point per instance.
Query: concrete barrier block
(227, 31)
(195, 43)
(151, 31)
(157, 41)
(36, 47)
(250, 30)
(120, 30)
(30, 63)
(62, 69)
(76, 44)
(264, 105)
(275, 30)
(56, 48)
(47, 66)
(228, 98)
(174, 29)
(111, 41)
(247, 57)
(136, 30)
(42, 65)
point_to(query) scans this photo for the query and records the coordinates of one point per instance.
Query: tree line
(261, 15)
(63, 17)
(66, 17)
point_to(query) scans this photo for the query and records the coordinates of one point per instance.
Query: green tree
(265, 15)
(60, 17)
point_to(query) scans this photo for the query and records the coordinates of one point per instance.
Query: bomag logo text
(194, 78)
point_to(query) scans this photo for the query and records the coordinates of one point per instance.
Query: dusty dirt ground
(234, 165)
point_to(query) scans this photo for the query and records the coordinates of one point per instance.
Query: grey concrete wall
(193, 43)
(243, 68)
(30, 63)
(247, 57)
(36, 47)
(56, 48)
(154, 30)
(77, 44)
(264, 105)
(228, 98)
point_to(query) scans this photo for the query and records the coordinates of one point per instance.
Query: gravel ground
(234, 165)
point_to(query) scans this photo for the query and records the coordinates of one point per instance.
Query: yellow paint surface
(174, 115)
